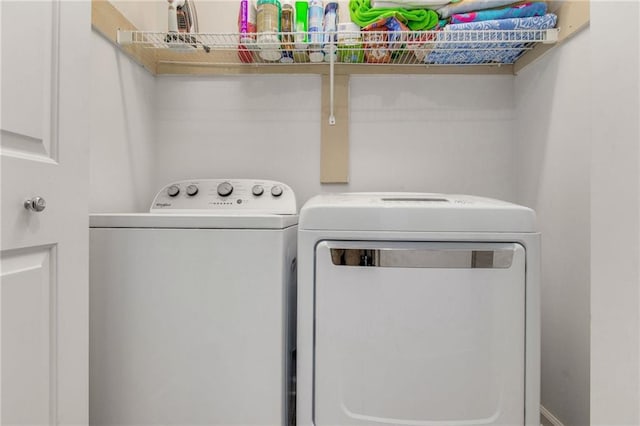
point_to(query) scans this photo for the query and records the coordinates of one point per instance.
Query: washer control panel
(238, 195)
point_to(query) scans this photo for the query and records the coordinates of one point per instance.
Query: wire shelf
(429, 48)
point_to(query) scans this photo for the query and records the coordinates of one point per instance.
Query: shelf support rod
(332, 117)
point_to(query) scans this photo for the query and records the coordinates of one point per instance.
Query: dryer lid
(414, 212)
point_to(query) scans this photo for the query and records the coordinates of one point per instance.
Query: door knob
(36, 204)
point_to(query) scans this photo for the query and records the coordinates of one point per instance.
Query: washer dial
(192, 190)
(225, 189)
(257, 190)
(173, 190)
(276, 191)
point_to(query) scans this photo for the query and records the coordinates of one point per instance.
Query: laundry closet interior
(520, 133)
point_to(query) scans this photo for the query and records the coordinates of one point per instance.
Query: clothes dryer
(192, 307)
(417, 309)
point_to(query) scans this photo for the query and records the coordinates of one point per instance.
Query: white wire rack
(430, 48)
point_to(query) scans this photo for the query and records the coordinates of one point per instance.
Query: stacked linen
(481, 48)
(481, 19)
(524, 10)
(416, 20)
(464, 6)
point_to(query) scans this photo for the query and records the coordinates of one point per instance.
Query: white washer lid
(414, 212)
(192, 221)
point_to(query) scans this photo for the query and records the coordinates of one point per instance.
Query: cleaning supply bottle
(247, 21)
(301, 28)
(302, 24)
(246, 29)
(330, 27)
(286, 28)
(349, 43)
(268, 27)
(316, 13)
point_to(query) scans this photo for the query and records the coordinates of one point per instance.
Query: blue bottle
(330, 28)
(316, 14)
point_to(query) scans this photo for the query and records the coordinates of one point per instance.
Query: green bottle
(302, 24)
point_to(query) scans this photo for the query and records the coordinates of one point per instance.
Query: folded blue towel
(520, 11)
(479, 53)
(531, 23)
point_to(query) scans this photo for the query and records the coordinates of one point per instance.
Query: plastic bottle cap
(331, 7)
(287, 59)
(316, 56)
(327, 56)
(270, 54)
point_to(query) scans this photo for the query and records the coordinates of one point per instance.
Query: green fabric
(417, 19)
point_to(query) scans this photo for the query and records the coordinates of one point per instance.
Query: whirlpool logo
(163, 204)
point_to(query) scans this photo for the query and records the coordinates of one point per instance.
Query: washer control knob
(276, 191)
(173, 190)
(257, 190)
(192, 190)
(225, 189)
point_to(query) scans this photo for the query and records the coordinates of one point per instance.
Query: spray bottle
(316, 14)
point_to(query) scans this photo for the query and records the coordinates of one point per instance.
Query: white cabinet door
(44, 256)
(419, 334)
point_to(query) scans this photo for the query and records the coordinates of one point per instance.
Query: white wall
(553, 136)
(413, 133)
(615, 214)
(145, 15)
(122, 152)
(246, 126)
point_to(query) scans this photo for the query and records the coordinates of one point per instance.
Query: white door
(419, 334)
(44, 256)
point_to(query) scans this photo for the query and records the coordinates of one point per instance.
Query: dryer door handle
(423, 258)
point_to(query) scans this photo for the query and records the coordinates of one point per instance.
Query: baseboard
(548, 419)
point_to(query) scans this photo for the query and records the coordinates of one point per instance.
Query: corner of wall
(122, 134)
(553, 157)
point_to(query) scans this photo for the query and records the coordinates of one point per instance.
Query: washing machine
(417, 309)
(192, 307)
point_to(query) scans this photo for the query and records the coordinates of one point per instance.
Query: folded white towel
(408, 4)
(464, 6)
